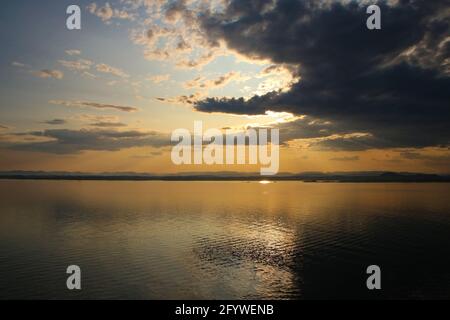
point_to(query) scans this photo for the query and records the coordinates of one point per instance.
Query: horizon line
(354, 176)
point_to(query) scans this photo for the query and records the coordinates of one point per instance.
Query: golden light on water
(265, 182)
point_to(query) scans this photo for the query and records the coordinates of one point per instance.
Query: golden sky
(107, 97)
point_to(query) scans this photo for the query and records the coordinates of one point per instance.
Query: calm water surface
(223, 240)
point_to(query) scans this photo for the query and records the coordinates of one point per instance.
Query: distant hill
(371, 176)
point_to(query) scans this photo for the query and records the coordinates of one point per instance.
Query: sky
(107, 97)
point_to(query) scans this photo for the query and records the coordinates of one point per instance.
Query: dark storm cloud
(392, 83)
(65, 141)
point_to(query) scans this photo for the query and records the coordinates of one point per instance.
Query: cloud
(199, 62)
(93, 105)
(102, 67)
(175, 10)
(65, 141)
(345, 159)
(108, 124)
(46, 74)
(203, 83)
(412, 155)
(106, 13)
(171, 32)
(97, 118)
(77, 65)
(275, 69)
(84, 66)
(437, 157)
(56, 122)
(391, 84)
(19, 64)
(73, 52)
(159, 78)
(89, 75)
(183, 99)
(149, 155)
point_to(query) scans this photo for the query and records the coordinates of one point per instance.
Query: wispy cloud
(107, 12)
(56, 122)
(19, 64)
(95, 105)
(97, 118)
(159, 78)
(73, 52)
(77, 65)
(43, 73)
(203, 83)
(65, 141)
(183, 99)
(344, 159)
(84, 67)
(413, 155)
(102, 67)
(47, 74)
(108, 124)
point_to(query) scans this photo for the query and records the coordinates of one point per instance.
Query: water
(223, 240)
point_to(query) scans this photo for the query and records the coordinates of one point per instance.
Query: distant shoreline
(320, 177)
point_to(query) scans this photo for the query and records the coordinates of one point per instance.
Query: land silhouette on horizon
(365, 176)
